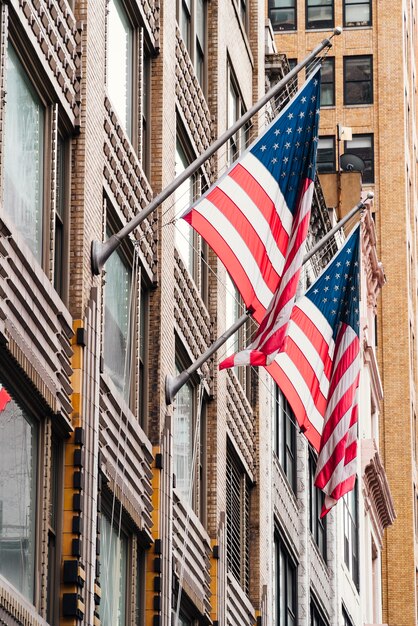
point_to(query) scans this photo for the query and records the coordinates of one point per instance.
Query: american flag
(318, 371)
(256, 217)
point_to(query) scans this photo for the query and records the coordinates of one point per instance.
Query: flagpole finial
(338, 30)
(370, 195)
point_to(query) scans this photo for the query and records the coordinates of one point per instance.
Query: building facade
(370, 75)
(116, 508)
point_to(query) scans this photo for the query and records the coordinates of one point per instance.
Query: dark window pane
(282, 14)
(362, 146)
(326, 155)
(357, 13)
(358, 80)
(319, 13)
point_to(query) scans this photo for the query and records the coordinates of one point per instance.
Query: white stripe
(301, 388)
(238, 246)
(311, 354)
(336, 436)
(345, 382)
(340, 474)
(270, 185)
(257, 220)
(314, 314)
(243, 357)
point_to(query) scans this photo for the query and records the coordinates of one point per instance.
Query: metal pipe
(100, 252)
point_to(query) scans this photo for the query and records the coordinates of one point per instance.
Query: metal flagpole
(173, 384)
(100, 252)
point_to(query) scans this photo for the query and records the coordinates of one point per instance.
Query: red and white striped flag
(318, 370)
(256, 217)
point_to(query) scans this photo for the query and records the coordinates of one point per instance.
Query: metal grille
(237, 524)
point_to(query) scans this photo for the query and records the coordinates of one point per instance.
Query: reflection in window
(317, 526)
(191, 17)
(362, 146)
(113, 574)
(358, 80)
(18, 500)
(60, 218)
(357, 13)
(319, 13)
(282, 14)
(183, 439)
(23, 155)
(240, 140)
(183, 197)
(326, 155)
(351, 534)
(119, 62)
(285, 437)
(116, 321)
(284, 577)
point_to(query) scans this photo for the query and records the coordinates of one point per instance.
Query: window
(317, 618)
(282, 14)
(117, 320)
(362, 146)
(285, 437)
(143, 357)
(317, 526)
(119, 78)
(53, 554)
(357, 13)
(285, 581)
(61, 220)
(319, 14)
(189, 436)
(235, 110)
(146, 112)
(346, 619)
(113, 572)
(351, 535)
(358, 80)
(237, 520)
(191, 17)
(328, 82)
(234, 308)
(326, 155)
(186, 239)
(24, 145)
(19, 441)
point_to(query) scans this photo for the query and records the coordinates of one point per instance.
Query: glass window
(185, 238)
(234, 308)
(285, 437)
(183, 429)
(328, 82)
(24, 155)
(282, 14)
(326, 155)
(317, 526)
(235, 110)
(60, 248)
(351, 534)
(53, 563)
(146, 112)
(237, 520)
(191, 17)
(316, 616)
(117, 301)
(346, 619)
(113, 574)
(362, 146)
(358, 80)
(143, 356)
(119, 77)
(285, 590)
(319, 14)
(19, 435)
(357, 13)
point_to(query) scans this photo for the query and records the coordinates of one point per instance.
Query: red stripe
(344, 487)
(314, 336)
(342, 406)
(296, 403)
(243, 226)
(224, 252)
(296, 354)
(4, 398)
(263, 202)
(345, 360)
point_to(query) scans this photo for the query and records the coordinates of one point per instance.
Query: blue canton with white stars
(288, 148)
(336, 292)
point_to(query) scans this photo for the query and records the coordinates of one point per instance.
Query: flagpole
(100, 252)
(173, 384)
(361, 205)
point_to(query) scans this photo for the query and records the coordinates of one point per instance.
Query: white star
(289, 131)
(300, 129)
(335, 299)
(315, 82)
(337, 275)
(297, 144)
(356, 264)
(287, 145)
(263, 148)
(353, 288)
(336, 287)
(301, 114)
(324, 300)
(313, 98)
(347, 263)
(338, 264)
(276, 145)
(283, 174)
(315, 290)
(326, 289)
(348, 250)
(327, 277)
(285, 159)
(303, 99)
(277, 131)
(333, 312)
(290, 116)
(274, 160)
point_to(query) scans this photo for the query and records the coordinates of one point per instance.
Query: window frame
(238, 526)
(55, 127)
(330, 61)
(348, 101)
(241, 139)
(292, 7)
(317, 616)
(317, 526)
(348, 24)
(325, 24)
(193, 44)
(281, 549)
(351, 535)
(334, 154)
(285, 447)
(368, 180)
